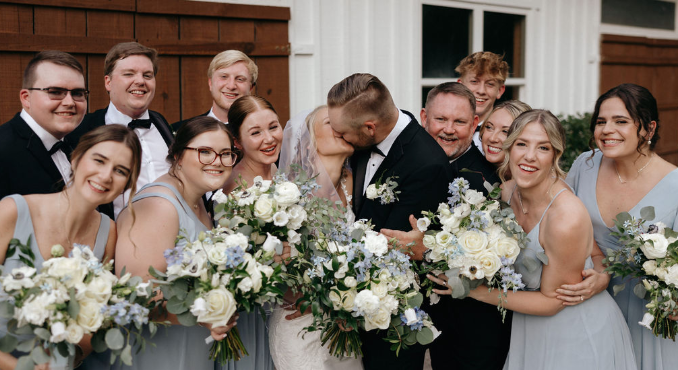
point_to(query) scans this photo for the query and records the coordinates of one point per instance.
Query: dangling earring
(649, 142)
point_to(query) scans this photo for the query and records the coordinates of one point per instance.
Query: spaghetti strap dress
(591, 335)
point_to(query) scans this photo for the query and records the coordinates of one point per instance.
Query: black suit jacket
(422, 169)
(176, 125)
(466, 322)
(26, 167)
(98, 118)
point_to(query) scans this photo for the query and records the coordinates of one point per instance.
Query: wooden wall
(187, 35)
(652, 63)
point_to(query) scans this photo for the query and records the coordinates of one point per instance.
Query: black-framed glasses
(208, 156)
(59, 93)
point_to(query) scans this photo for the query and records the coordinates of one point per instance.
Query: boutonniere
(385, 191)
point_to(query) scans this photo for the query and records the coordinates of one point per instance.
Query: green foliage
(577, 136)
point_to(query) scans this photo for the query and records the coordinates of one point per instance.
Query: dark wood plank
(199, 28)
(167, 98)
(195, 95)
(59, 21)
(108, 24)
(69, 44)
(188, 47)
(238, 30)
(16, 18)
(273, 84)
(127, 5)
(11, 71)
(267, 31)
(154, 27)
(98, 96)
(212, 9)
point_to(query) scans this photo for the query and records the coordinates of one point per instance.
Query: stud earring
(179, 167)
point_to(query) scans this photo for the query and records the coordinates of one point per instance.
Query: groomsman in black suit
(392, 145)
(473, 335)
(129, 77)
(33, 152)
(231, 74)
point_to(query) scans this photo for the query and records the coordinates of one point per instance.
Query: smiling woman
(105, 163)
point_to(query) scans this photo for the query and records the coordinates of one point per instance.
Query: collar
(48, 140)
(211, 114)
(386, 144)
(113, 115)
(462, 154)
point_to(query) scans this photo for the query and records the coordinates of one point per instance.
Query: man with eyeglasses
(33, 152)
(129, 77)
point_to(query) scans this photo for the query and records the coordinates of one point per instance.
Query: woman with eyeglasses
(258, 136)
(105, 163)
(201, 159)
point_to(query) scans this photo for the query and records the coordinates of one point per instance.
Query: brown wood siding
(187, 34)
(652, 63)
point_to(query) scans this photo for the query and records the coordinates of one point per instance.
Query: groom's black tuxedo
(26, 167)
(473, 335)
(422, 171)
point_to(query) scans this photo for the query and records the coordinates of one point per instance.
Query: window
(640, 13)
(450, 33)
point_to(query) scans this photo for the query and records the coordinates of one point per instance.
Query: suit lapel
(37, 149)
(359, 181)
(162, 126)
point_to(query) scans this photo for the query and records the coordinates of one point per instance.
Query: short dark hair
(52, 56)
(243, 107)
(365, 97)
(454, 88)
(640, 104)
(125, 49)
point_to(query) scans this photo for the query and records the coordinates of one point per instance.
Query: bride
(310, 143)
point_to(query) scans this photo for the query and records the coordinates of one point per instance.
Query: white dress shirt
(385, 146)
(476, 139)
(153, 153)
(48, 140)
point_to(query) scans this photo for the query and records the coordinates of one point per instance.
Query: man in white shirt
(33, 152)
(484, 73)
(129, 77)
(231, 75)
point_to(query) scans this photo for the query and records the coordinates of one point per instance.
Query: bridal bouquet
(71, 297)
(358, 282)
(478, 244)
(209, 279)
(651, 255)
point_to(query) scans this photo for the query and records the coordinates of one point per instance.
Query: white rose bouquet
(209, 279)
(70, 298)
(649, 256)
(357, 282)
(478, 244)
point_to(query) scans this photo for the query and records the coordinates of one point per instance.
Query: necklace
(638, 172)
(520, 199)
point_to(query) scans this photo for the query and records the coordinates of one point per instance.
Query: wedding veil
(299, 152)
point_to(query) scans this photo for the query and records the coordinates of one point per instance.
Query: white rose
(225, 279)
(389, 303)
(217, 254)
(650, 266)
(450, 223)
(375, 243)
(245, 285)
(656, 248)
(270, 244)
(443, 238)
(220, 197)
(18, 279)
(33, 311)
(287, 194)
(99, 289)
(297, 216)
(490, 264)
(429, 241)
(379, 320)
(380, 290)
(335, 298)
(371, 192)
(236, 240)
(59, 333)
(90, 317)
(348, 298)
(69, 270)
(350, 282)
(423, 224)
(507, 247)
(473, 242)
(462, 210)
(267, 270)
(280, 218)
(254, 272)
(494, 205)
(367, 302)
(672, 275)
(199, 307)
(473, 197)
(263, 208)
(74, 332)
(220, 306)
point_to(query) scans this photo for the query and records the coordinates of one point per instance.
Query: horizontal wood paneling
(210, 9)
(128, 5)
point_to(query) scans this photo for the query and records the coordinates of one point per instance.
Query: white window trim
(652, 33)
(477, 41)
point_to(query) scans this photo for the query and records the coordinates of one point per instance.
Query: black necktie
(139, 123)
(56, 147)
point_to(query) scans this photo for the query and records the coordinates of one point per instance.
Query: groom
(391, 146)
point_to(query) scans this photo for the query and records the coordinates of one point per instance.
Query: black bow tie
(378, 151)
(56, 147)
(139, 123)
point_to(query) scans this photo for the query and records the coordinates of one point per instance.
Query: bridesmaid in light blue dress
(625, 175)
(107, 158)
(544, 333)
(201, 158)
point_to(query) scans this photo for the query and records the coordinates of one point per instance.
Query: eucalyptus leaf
(24, 330)
(114, 339)
(25, 363)
(459, 291)
(647, 213)
(25, 346)
(39, 355)
(6, 310)
(73, 305)
(425, 336)
(623, 217)
(187, 319)
(126, 355)
(99, 342)
(8, 343)
(618, 288)
(42, 333)
(245, 230)
(176, 305)
(416, 301)
(543, 258)
(639, 290)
